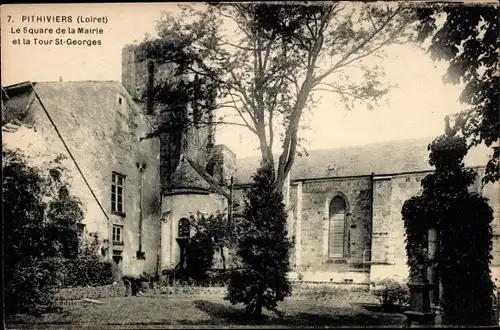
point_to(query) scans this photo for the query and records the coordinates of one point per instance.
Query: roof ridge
(27, 82)
(79, 81)
(355, 146)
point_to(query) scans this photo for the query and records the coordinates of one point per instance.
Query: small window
(119, 100)
(184, 228)
(117, 192)
(117, 256)
(117, 234)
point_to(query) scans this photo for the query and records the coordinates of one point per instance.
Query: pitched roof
(379, 158)
(190, 176)
(16, 100)
(70, 99)
(186, 177)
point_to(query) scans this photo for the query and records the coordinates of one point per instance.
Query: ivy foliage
(186, 96)
(263, 249)
(462, 221)
(41, 225)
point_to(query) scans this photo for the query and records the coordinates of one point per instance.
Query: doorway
(118, 259)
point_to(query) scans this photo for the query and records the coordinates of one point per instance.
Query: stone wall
(135, 73)
(312, 219)
(103, 140)
(224, 162)
(388, 246)
(135, 77)
(175, 207)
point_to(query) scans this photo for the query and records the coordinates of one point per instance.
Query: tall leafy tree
(263, 249)
(467, 36)
(269, 68)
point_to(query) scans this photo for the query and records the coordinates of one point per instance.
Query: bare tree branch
(357, 48)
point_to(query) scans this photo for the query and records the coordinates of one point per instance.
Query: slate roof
(190, 176)
(379, 158)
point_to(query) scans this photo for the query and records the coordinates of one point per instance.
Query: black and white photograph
(273, 164)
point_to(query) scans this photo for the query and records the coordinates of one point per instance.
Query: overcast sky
(415, 109)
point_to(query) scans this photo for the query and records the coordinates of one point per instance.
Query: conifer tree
(263, 249)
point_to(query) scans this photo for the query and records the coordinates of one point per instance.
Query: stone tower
(194, 172)
(196, 143)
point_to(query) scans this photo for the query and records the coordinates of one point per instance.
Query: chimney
(224, 164)
(150, 88)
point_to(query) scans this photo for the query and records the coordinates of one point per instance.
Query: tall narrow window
(117, 192)
(184, 228)
(117, 234)
(336, 234)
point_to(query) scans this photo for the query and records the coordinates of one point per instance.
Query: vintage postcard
(251, 164)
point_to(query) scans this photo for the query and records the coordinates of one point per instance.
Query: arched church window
(184, 228)
(337, 227)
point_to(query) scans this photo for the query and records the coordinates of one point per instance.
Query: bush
(200, 256)
(218, 277)
(89, 268)
(393, 295)
(33, 285)
(88, 271)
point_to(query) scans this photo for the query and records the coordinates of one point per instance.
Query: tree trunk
(257, 313)
(254, 310)
(223, 258)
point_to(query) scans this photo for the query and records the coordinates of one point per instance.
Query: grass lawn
(162, 310)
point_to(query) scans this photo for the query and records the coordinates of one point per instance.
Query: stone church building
(344, 204)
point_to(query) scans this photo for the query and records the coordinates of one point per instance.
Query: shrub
(32, 285)
(88, 271)
(218, 277)
(200, 256)
(88, 268)
(393, 295)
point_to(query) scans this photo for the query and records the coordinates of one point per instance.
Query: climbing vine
(188, 96)
(417, 225)
(462, 220)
